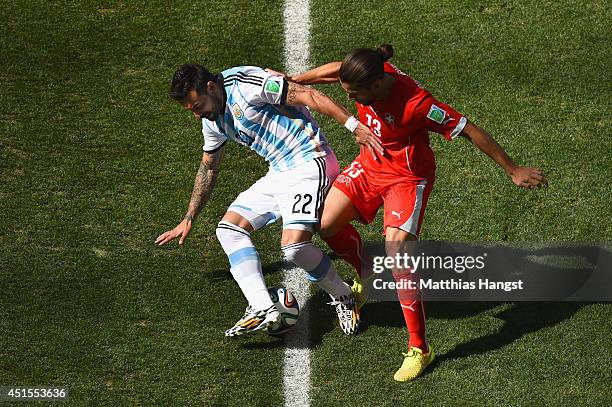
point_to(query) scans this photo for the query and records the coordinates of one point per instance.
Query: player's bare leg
(234, 234)
(419, 354)
(237, 219)
(337, 213)
(337, 231)
(298, 248)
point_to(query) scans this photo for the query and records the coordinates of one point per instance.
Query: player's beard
(366, 100)
(219, 105)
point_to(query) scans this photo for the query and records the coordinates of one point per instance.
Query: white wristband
(351, 124)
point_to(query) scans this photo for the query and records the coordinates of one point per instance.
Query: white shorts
(294, 195)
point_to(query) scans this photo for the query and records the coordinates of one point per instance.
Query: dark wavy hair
(365, 65)
(188, 78)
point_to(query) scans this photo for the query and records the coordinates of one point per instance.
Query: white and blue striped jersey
(256, 116)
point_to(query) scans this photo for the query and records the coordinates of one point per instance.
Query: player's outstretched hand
(182, 230)
(528, 177)
(366, 138)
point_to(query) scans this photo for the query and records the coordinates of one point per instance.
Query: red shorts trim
(405, 205)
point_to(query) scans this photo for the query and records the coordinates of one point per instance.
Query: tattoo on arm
(317, 101)
(292, 93)
(302, 95)
(204, 183)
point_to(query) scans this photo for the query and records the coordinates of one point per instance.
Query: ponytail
(385, 52)
(365, 65)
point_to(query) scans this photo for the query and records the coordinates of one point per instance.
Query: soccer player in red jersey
(399, 111)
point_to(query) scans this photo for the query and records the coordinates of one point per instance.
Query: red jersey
(403, 121)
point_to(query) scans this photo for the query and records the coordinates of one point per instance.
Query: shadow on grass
(389, 314)
(520, 319)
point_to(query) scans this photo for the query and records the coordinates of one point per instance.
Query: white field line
(297, 35)
(296, 366)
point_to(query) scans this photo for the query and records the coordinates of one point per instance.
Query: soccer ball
(287, 306)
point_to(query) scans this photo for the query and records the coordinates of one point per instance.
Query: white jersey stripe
(286, 136)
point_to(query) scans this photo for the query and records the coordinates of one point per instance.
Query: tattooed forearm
(317, 101)
(292, 93)
(204, 183)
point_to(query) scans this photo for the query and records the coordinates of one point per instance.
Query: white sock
(319, 267)
(245, 264)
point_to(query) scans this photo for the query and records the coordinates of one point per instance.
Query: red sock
(347, 245)
(414, 315)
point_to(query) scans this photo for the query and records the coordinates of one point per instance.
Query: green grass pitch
(96, 161)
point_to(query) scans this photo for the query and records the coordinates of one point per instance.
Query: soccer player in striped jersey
(399, 111)
(267, 114)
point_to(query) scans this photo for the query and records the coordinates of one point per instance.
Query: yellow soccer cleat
(357, 290)
(414, 364)
(361, 291)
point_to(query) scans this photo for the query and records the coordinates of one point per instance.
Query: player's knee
(398, 235)
(295, 252)
(308, 257)
(224, 230)
(325, 231)
(228, 234)
(328, 227)
(291, 236)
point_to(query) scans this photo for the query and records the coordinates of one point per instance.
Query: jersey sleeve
(439, 117)
(259, 87)
(273, 90)
(213, 138)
